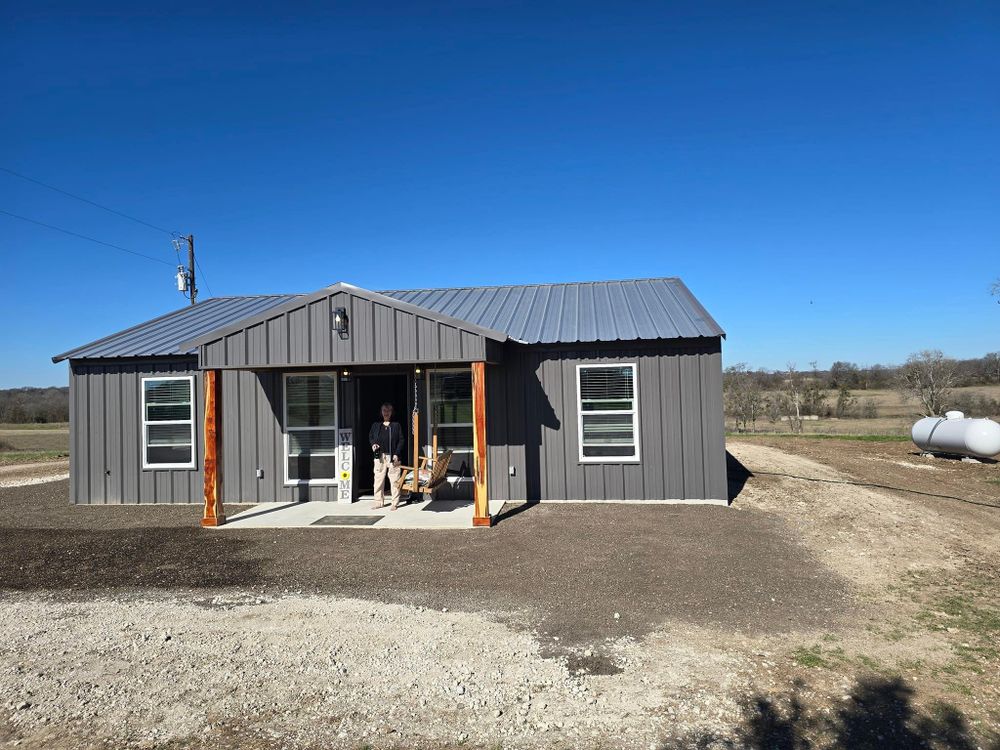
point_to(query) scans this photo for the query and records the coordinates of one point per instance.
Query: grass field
(895, 416)
(29, 443)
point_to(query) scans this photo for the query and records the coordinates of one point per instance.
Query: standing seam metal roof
(162, 336)
(661, 308)
(576, 312)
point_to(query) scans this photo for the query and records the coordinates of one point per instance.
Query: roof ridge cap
(544, 283)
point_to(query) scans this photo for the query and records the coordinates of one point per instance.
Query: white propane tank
(953, 433)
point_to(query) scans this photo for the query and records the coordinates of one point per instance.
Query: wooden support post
(214, 514)
(481, 508)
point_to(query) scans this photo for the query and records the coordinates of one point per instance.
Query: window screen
(607, 413)
(311, 428)
(451, 417)
(168, 422)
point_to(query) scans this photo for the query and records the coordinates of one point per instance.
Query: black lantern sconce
(340, 321)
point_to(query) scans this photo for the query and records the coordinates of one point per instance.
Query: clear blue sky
(823, 176)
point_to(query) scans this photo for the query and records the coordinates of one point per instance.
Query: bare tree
(793, 397)
(991, 365)
(744, 396)
(995, 289)
(929, 376)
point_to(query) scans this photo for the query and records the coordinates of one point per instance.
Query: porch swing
(428, 472)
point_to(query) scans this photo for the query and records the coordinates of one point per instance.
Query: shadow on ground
(879, 714)
(737, 475)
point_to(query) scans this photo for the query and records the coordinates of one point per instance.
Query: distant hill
(20, 405)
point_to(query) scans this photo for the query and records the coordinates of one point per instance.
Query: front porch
(318, 514)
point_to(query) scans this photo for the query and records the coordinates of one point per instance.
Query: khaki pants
(384, 466)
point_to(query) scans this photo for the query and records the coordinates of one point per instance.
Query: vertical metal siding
(532, 424)
(379, 333)
(252, 438)
(106, 435)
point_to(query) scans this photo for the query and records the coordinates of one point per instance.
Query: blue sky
(823, 176)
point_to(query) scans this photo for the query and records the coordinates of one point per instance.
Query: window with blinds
(168, 422)
(450, 402)
(311, 429)
(608, 417)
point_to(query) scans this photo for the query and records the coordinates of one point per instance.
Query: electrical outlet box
(260, 473)
(512, 471)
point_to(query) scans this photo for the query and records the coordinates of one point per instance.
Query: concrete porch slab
(426, 514)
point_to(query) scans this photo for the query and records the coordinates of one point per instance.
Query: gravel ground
(778, 622)
(41, 472)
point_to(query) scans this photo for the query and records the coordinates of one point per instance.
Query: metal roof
(660, 308)
(163, 335)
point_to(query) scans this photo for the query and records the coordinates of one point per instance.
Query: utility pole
(193, 288)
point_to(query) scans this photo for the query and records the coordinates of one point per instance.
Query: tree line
(26, 405)
(928, 379)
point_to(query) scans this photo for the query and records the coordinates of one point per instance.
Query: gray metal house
(584, 391)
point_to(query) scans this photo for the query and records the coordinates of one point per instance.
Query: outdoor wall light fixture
(340, 321)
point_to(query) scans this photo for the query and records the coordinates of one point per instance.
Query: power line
(85, 237)
(203, 276)
(103, 208)
(86, 200)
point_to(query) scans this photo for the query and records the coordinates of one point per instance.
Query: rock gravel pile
(301, 672)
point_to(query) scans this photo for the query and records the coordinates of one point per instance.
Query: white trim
(634, 411)
(284, 429)
(145, 423)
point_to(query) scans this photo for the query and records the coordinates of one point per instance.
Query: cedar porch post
(481, 507)
(214, 513)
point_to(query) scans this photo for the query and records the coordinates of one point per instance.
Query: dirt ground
(849, 597)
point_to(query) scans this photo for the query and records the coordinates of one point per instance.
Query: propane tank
(953, 433)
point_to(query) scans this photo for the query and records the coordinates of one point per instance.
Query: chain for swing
(416, 408)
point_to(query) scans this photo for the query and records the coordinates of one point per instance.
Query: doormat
(347, 521)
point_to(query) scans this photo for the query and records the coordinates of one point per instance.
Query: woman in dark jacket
(386, 438)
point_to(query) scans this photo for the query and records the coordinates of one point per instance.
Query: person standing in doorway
(386, 438)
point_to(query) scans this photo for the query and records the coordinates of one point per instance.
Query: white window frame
(284, 428)
(634, 412)
(145, 424)
(430, 421)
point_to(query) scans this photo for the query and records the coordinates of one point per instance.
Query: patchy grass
(8, 458)
(810, 657)
(813, 436)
